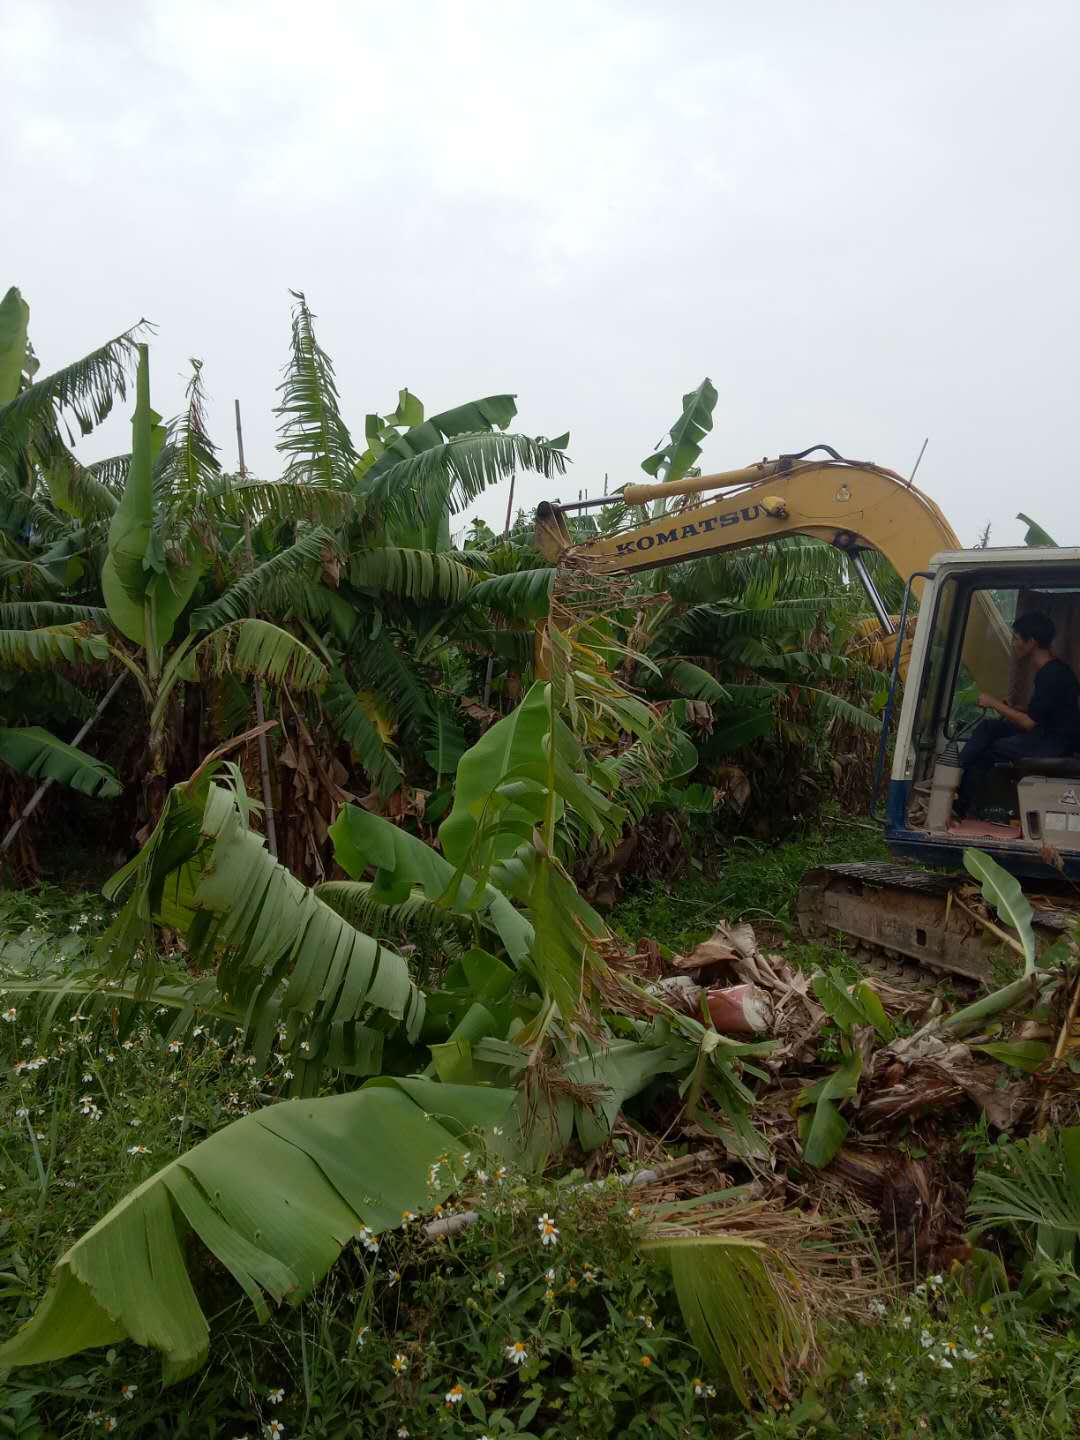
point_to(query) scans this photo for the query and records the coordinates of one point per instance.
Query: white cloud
(860, 220)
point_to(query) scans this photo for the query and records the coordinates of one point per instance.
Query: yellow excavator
(966, 601)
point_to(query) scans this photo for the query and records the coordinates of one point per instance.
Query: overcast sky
(859, 219)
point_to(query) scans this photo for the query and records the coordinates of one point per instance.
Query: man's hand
(987, 702)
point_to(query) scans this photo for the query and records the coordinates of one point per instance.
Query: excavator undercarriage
(894, 915)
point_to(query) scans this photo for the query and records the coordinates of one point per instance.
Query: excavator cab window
(939, 673)
(947, 709)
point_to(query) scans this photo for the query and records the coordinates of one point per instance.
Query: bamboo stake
(260, 718)
(453, 1223)
(35, 799)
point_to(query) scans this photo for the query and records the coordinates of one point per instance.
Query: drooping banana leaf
(274, 1197)
(503, 782)
(415, 574)
(346, 712)
(1036, 535)
(524, 594)
(278, 952)
(51, 645)
(36, 753)
(402, 861)
(567, 930)
(428, 526)
(448, 743)
(738, 1318)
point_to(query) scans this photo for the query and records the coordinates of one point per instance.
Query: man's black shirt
(1055, 703)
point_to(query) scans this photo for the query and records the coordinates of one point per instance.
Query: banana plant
(40, 636)
(158, 549)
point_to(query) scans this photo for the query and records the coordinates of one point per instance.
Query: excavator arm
(851, 505)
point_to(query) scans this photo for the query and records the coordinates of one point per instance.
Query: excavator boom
(851, 505)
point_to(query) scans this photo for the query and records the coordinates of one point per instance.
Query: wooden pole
(264, 750)
(506, 532)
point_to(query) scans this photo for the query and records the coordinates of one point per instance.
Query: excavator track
(907, 915)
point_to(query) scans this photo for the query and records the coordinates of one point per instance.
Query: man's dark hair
(1037, 627)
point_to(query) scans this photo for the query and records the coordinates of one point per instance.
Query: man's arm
(1020, 718)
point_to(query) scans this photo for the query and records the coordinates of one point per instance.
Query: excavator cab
(1026, 811)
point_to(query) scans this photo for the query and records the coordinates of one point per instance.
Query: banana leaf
(824, 1129)
(1003, 892)
(689, 430)
(739, 1319)
(137, 578)
(278, 952)
(36, 753)
(14, 320)
(402, 860)
(274, 1197)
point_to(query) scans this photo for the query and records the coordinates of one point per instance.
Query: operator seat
(1065, 767)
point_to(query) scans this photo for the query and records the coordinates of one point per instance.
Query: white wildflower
(517, 1353)
(548, 1230)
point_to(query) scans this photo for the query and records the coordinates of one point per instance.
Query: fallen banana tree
(274, 1197)
(523, 1034)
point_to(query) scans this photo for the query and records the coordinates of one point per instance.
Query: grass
(750, 880)
(88, 1118)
